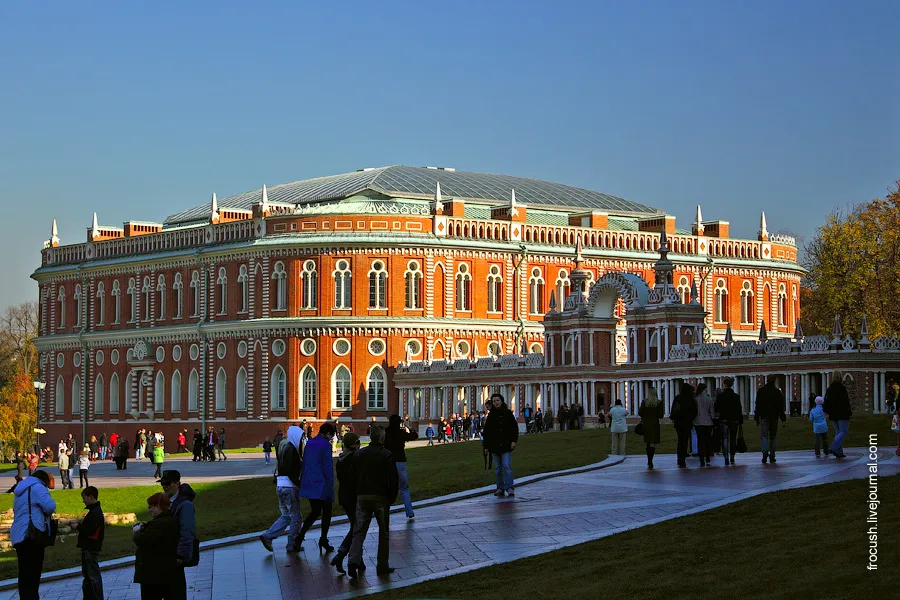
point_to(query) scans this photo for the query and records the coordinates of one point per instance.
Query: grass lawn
(227, 451)
(804, 543)
(4, 467)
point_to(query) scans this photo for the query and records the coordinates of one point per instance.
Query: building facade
(301, 300)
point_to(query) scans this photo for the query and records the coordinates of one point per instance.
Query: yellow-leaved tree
(18, 414)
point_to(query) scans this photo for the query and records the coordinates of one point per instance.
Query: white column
(591, 348)
(788, 389)
(882, 392)
(578, 342)
(752, 393)
(659, 345)
(678, 336)
(590, 408)
(666, 344)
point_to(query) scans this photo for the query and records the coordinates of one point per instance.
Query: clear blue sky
(137, 112)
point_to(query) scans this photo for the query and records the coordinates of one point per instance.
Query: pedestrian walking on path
(84, 463)
(181, 496)
(618, 428)
(395, 438)
(91, 530)
(159, 456)
(317, 484)
(347, 474)
(32, 508)
(703, 424)
(820, 426)
(499, 438)
(220, 445)
(837, 406)
(267, 450)
(287, 488)
(651, 411)
(155, 564)
(731, 417)
(377, 486)
(769, 409)
(682, 413)
(63, 462)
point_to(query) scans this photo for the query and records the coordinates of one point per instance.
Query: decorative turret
(697, 227)
(836, 332)
(261, 208)
(578, 279)
(729, 336)
(663, 291)
(695, 294)
(95, 228)
(54, 235)
(763, 231)
(511, 212)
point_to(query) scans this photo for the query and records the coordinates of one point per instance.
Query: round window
(376, 347)
(160, 354)
(536, 349)
(60, 360)
(308, 347)
(494, 349)
(464, 268)
(99, 358)
(462, 348)
(194, 352)
(413, 266)
(495, 270)
(76, 359)
(341, 347)
(278, 347)
(535, 272)
(343, 265)
(114, 356)
(413, 347)
(221, 350)
(176, 353)
(242, 349)
(377, 266)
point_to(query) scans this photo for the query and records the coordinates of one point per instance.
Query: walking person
(159, 456)
(197, 446)
(156, 542)
(820, 426)
(317, 484)
(181, 496)
(122, 452)
(220, 446)
(182, 441)
(287, 488)
(703, 424)
(429, 433)
(84, 463)
(579, 413)
(94, 446)
(73, 462)
(618, 428)
(837, 406)
(32, 507)
(63, 463)
(267, 450)
(139, 440)
(347, 476)
(499, 438)
(769, 409)
(651, 411)
(395, 438)
(682, 414)
(731, 417)
(103, 446)
(210, 441)
(377, 485)
(91, 530)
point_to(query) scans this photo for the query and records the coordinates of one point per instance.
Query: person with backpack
(395, 438)
(429, 433)
(32, 507)
(820, 426)
(90, 540)
(287, 482)
(181, 496)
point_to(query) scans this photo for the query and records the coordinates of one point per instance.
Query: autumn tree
(854, 269)
(18, 413)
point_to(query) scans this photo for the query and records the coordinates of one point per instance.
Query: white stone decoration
(222, 350)
(99, 358)
(242, 349)
(60, 360)
(413, 347)
(462, 348)
(176, 353)
(278, 347)
(114, 356)
(341, 346)
(160, 354)
(376, 347)
(140, 350)
(308, 347)
(194, 352)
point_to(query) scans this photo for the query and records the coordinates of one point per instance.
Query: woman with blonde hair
(651, 411)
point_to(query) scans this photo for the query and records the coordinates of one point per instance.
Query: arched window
(684, 290)
(220, 389)
(99, 393)
(78, 304)
(377, 286)
(782, 305)
(159, 393)
(569, 351)
(494, 289)
(61, 299)
(341, 392)
(114, 394)
(562, 287)
(176, 392)
(129, 389)
(463, 288)
(146, 290)
(76, 395)
(117, 304)
(309, 280)
(101, 302)
(413, 278)
(243, 282)
(178, 286)
(240, 390)
(536, 292)
(376, 389)
(222, 284)
(161, 296)
(721, 293)
(279, 276)
(193, 391)
(195, 293)
(342, 280)
(60, 405)
(278, 389)
(132, 300)
(748, 304)
(308, 388)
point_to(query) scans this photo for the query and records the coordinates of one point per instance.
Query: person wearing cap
(346, 474)
(287, 487)
(181, 497)
(32, 505)
(820, 426)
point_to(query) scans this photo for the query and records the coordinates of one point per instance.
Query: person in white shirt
(618, 428)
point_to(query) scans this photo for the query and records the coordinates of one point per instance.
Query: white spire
(699, 215)
(513, 211)
(763, 231)
(54, 234)
(214, 204)
(438, 198)
(698, 222)
(95, 228)
(264, 201)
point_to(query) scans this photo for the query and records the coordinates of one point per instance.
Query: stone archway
(607, 290)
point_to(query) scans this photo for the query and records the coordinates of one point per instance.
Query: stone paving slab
(466, 534)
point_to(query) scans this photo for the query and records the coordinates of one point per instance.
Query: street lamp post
(39, 387)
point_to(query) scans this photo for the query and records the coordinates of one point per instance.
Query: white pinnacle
(215, 207)
(513, 211)
(699, 215)
(54, 233)
(763, 231)
(438, 198)
(95, 228)
(264, 201)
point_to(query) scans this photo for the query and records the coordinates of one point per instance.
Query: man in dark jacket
(683, 413)
(731, 416)
(499, 438)
(837, 407)
(347, 476)
(287, 487)
(395, 438)
(90, 540)
(181, 497)
(769, 409)
(377, 485)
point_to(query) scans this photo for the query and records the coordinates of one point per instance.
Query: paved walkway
(476, 532)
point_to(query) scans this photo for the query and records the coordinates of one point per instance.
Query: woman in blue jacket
(317, 483)
(32, 504)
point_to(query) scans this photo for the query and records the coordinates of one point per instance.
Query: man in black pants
(347, 475)
(731, 416)
(769, 408)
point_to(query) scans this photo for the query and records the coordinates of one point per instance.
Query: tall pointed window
(378, 285)
(684, 290)
(132, 300)
(782, 305)
(114, 394)
(101, 303)
(279, 276)
(78, 297)
(117, 302)
(748, 304)
(161, 297)
(494, 289)
(195, 293)
(76, 395)
(159, 393)
(146, 290)
(375, 389)
(536, 292)
(175, 396)
(60, 393)
(309, 388)
(220, 389)
(342, 285)
(721, 294)
(178, 286)
(278, 389)
(99, 392)
(342, 387)
(222, 284)
(193, 391)
(413, 278)
(61, 300)
(463, 288)
(562, 287)
(240, 390)
(244, 284)
(309, 280)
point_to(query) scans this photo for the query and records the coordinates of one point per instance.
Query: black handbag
(42, 538)
(195, 555)
(639, 428)
(740, 445)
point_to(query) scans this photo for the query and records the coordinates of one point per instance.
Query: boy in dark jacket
(346, 475)
(90, 540)
(499, 438)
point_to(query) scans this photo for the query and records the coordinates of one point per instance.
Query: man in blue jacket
(32, 504)
(182, 508)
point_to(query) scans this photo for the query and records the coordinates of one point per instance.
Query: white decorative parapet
(780, 238)
(439, 365)
(485, 362)
(461, 364)
(744, 348)
(416, 367)
(887, 344)
(535, 359)
(710, 350)
(509, 361)
(815, 343)
(680, 352)
(778, 346)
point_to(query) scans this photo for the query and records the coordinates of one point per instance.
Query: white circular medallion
(60, 360)
(160, 354)
(221, 350)
(114, 356)
(99, 358)
(413, 347)
(462, 348)
(76, 359)
(341, 346)
(278, 347)
(376, 347)
(176, 352)
(194, 352)
(308, 347)
(242, 349)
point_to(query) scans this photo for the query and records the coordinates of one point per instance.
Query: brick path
(475, 532)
